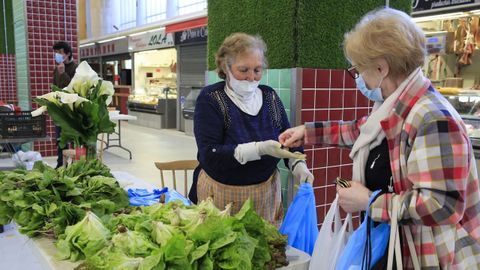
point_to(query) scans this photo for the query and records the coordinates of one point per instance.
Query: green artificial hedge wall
(298, 33)
(322, 24)
(10, 34)
(271, 19)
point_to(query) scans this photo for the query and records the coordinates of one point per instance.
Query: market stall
(154, 95)
(191, 47)
(111, 60)
(453, 61)
(48, 252)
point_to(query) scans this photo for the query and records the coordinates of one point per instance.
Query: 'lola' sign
(150, 40)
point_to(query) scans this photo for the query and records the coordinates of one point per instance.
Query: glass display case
(467, 104)
(155, 81)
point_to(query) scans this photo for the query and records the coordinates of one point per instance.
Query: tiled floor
(147, 146)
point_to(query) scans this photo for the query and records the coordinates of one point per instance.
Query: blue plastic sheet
(138, 196)
(173, 195)
(300, 223)
(353, 254)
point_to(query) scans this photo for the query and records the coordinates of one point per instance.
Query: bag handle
(395, 240)
(367, 252)
(333, 217)
(411, 247)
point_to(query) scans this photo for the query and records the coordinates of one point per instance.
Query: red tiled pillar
(48, 21)
(329, 95)
(8, 83)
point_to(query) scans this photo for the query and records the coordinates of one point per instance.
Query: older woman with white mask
(413, 146)
(237, 122)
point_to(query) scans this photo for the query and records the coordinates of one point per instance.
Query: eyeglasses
(353, 72)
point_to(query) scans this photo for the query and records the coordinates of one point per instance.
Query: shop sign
(191, 35)
(423, 5)
(150, 40)
(118, 46)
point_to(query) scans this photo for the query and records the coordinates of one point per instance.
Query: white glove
(274, 149)
(246, 152)
(300, 171)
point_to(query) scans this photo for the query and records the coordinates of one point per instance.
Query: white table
(44, 250)
(119, 118)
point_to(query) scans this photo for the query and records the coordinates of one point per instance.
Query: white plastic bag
(26, 159)
(329, 244)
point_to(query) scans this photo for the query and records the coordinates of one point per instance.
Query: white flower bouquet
(80, 109)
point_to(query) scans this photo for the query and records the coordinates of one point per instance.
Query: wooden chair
(173, 166)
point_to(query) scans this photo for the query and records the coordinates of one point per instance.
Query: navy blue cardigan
(219, 126)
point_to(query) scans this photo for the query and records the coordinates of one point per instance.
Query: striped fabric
(434, 174)
(266, 196)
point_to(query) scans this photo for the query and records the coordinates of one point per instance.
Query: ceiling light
(111, 39)
(86, 44)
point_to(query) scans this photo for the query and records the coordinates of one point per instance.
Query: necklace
(373, 163)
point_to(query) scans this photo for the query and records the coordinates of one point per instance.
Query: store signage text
(102, 49)
(191, 35)
(419, 5)
(158, 40)
(150, 41)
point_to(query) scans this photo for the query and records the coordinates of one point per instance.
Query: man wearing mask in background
(62, 75)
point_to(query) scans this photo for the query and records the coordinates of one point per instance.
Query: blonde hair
(237, 44)
(389, 34)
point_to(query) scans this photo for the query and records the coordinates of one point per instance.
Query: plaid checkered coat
(434, 173)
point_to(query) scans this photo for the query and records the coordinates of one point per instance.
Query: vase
(88, 151)
(91, 151)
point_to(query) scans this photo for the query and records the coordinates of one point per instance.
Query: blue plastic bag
(138, 196)
(352, 256)
(300, 223)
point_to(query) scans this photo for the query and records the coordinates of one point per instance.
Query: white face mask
(244, 88)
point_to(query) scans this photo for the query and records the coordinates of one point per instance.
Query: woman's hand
(274, 149)
(301, 173)
(354, 198)
(292, 137)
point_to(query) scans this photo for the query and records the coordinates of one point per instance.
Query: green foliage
(322, 24)
(9, 29)
(85, 238)
(45, 201)
(298, 33)
(80, 109)
(197, 237)
(272, 20)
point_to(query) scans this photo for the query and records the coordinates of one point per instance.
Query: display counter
(154, 96)
(154, 112)
(467, 104)
(44, 249)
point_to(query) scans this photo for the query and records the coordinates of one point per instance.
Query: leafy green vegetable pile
(45, 201)
(174, 236)
(83, 207)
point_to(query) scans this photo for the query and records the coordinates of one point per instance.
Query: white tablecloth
(44, 249)
(121, 117)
